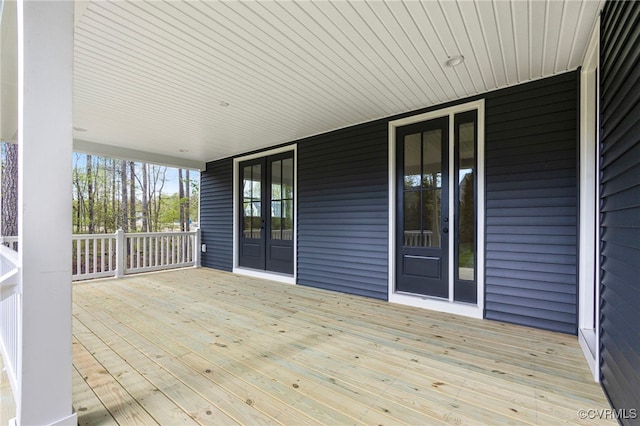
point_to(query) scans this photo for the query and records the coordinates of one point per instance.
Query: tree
(145, 198)
(132, 197)
(107, 193)
(10, 190)
(124, 224)
(187, 195)
(90, 195)
(181, 198)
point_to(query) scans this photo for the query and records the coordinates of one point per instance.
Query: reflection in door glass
(282, 199)
(251, 196)
(466, 201)
(422, 183)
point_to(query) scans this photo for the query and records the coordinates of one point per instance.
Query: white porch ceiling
(151, 75)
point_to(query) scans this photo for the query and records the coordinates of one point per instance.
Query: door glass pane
(466, 201)
(276, 221)
(287, 178)
(287, 219)
(256, 183)
(251, 193)
(432, 159)
(412, 156)
(431, 212)
(412, 229)
(276, 180)
(247, 183)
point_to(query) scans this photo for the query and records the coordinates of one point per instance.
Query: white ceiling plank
(247, 59)
(589, 15)
(474, 28)
(489, 28)
(469, 73)
(430, 42)
(369, 43)
(537, 31)
(149, 76)
(503, 13)
(450, 47)
(554, 20)
(570, 17)
(382, 18)
(520, 22)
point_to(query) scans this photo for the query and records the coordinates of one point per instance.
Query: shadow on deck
(200, 346)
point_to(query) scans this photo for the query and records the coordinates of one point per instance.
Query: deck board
(7, 405)
(208, 347)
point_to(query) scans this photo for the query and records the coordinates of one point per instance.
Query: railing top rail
(89, 236)
(130, 234)
(158, 234)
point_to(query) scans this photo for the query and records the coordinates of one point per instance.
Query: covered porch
(198, 346)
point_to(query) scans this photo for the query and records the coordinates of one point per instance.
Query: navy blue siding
(216, 214)
(531, 204)
(343, 211)
(620, 206)
(531, 192)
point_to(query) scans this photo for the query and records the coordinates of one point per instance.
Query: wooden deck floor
(205, 347)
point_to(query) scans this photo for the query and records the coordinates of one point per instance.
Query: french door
(423, 213)
(436, 229)
(266, 213)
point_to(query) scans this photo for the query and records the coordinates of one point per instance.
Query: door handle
(445, 230)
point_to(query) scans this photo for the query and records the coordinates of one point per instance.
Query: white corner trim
(442, 305)
(274, 276)
(589, 223)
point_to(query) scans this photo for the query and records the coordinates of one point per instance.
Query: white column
(45, 125)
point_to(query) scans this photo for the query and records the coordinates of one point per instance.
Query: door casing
(444, 305)
(237, 269)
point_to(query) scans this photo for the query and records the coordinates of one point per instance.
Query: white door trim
(589, 250)
(274, 276)
(442, 305)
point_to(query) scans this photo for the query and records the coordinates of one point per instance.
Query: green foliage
(98, 191)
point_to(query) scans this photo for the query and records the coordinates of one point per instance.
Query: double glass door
(267, 216)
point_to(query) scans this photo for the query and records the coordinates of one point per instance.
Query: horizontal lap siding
(531, 204)
(343, 211)
(620, 205)
(216, 214)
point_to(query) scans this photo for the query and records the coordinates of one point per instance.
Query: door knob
(445, 230)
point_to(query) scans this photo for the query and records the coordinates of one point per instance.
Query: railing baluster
(137, 252)
(102, 254)
(130, 252)
(86, 256)
(78, 257)
(145, 258)
(111, 266)
(95, 254)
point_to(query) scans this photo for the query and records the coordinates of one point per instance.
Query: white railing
(115, 255)
(10, 314)
(11, 242)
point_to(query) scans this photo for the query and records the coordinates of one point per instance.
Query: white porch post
(45, 125)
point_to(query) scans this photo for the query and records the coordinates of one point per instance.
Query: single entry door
(266, 222)
(423, 208)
